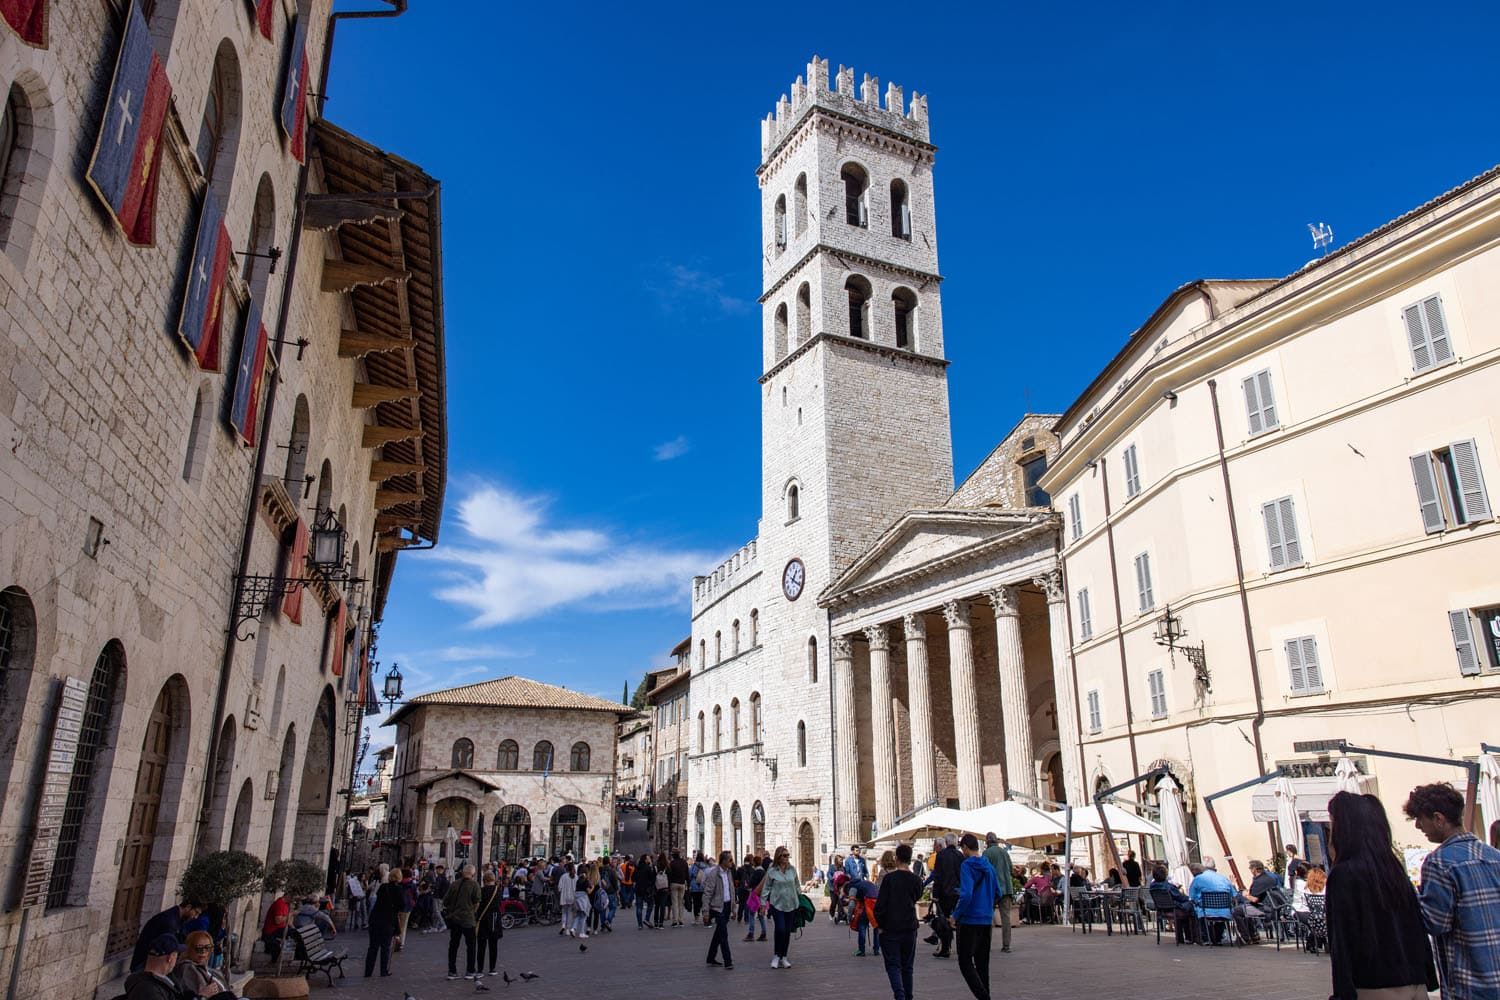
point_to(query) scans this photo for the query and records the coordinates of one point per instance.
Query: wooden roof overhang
(384, 215)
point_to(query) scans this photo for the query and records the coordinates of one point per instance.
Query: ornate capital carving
(1052, 584)
(843, 647)
(957, 614)
(880, 639)
(915, 627)
(1005, 601)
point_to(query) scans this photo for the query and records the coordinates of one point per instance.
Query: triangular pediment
(925, 539)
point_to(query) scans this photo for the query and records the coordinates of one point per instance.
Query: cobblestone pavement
(1046, 963)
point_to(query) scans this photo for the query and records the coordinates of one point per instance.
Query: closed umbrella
(1174, 830)
(1346, 775)
(1489, 787)
(1286, 815)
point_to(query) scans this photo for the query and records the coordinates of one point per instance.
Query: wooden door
(140, 830)
(805, 862)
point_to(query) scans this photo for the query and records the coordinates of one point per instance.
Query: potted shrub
(297, 879)
(221, 878)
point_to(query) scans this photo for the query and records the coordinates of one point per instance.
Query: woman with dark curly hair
(1376, 938)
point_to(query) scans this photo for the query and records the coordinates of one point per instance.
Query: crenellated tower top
(865, 106)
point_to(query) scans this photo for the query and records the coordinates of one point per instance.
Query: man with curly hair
(1460, 895)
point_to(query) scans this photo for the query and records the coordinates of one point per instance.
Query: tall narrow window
(1427, 334)
(900, 210)
(1450, 486)
(1143, 581)
(1075, 516)
(734, 638)
(718, 728)
(92, 736)
(1260, 403)
(778, 333)
(219, 131)
(1156, 681)
(780, 222)
(812, 659)
(198, 435)
(1303, 669)
(1032, 468)
(801, 744)
(580, 757)
(755, 733)
(1282, 542)
(509, 758)
(1132, 472)
(793, 499)
(856, 188)
(799, 205)
(904, 308)
(754, 628)
(10, 145)
(858, 291)
(1096, 717)
(804, 313)
(541, 756)
(1085, 615)
(702, 745)
(718, 647)
(734, 723)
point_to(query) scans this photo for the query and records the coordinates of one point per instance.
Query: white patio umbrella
(1347, 776)
(1087, 821)
(1489, 787)
(1174, 830)
(1286, 815)
(1016, 823)
(938, 819)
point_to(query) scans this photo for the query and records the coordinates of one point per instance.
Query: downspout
(833, 818)
(1114, 581)
(247, 536)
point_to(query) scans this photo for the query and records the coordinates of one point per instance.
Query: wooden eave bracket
(375, 435)
(356, 344)
(381, 470)
(367, 395)
(342, 276)
(330, 212)
(385, 499)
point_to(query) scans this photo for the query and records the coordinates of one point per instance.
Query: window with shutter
(1096, 721)
(1450, 487)
(1427, 334)
(1303, 668)
(1075, 516)
(1463, 643)
(1282, 542)
(1260, 403)
(1143, 581)
(1132, 472)
(1471, 502)
(1157, 683)
(1427, 493)
(1085, 615)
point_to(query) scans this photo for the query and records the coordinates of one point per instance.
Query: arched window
(579, 759)
(900, 210)
(296, 452)
(734, 722)
(463, 753)
(718, 647)
(755, 732)
(856, 187)
(904, 308)
(778, 336)
(799, 205)
(698, 831)
(804, 313)
(859, 292)
(541, 756)
(94, 733)
(801, 744)
(199, 431)
(10, 144)
(793, 503)
(754, 628)
(718, 728)
(702, 743)
(702, 653)
(812, 659)
(568, 831)
(17, 646)
(27, 134)
(780, 223)
(510, 756)
(219, 131)
(325, 486)
(734, 638)
(257, 267)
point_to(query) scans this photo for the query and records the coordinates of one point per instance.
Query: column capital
(1004, 601)
(843, 647)
(915, 627)
(1052, 583)
(957, 614)
(879, 638)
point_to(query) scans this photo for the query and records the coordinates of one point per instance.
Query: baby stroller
(513, 913)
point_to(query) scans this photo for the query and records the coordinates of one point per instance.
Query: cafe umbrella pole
(1470, 767)
(1208, 803)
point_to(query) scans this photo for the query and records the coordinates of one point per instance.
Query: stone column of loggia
(846, 746)
(1062, 683)
(1013, 704)
(919, 696)
(965, 707)
(882, 727)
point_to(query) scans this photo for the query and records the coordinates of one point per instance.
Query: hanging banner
(336, 642)
(294, 96)
(248, 374)
(296, 567)
(27, 18)
(203, 303)
(261, 11)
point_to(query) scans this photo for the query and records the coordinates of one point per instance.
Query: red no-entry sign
(466, 838)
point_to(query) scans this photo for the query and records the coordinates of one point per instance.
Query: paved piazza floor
(1046, 963)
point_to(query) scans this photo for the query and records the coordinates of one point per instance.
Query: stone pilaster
(965, 706)
(846, 747)
(1062, 683)
(882, 727)
(919, 697)
(1014, 708)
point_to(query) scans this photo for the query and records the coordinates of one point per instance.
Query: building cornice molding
(841, 255)
(830, 120)
(838, 340)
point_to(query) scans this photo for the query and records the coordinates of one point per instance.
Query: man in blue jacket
(974, 915)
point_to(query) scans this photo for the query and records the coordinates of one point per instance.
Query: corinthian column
(882, 727)
(923, 764)
(1013, 706)
(846, 746)
(965, 705)
(1062, 684)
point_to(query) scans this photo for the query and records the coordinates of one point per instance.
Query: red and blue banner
(294, 95)
(203, 304)
(127, 154)
(261, 10)
(248, 374)
(336, 642)
(28, 18)
(296, 569)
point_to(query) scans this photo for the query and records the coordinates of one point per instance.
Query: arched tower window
(198, 435)
(755, 733)
(296, 451)
(718, 728)
(754, 627)
(702, 743)
(856, 191)
(702, 653)
(799, 205)
(325, 486)
(510, 756)
(793, 502)
(463, 753)
(900, 210)
(801, 744)
(859, 292)
(804, 313)
(780, 222)
(734, 638)
(578, 760)
(779, 332)
(262, 234)
(904, 309)
(541, 756)
(812, 659)
(734, 722)
(219, 131)
(10, 145)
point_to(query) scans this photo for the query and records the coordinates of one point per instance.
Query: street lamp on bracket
(1170, 633)
(325, 565)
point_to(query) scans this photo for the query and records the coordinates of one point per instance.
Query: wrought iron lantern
(1170, 633)
(393, 685)
(327, 542)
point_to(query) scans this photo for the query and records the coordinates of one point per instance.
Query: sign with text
(1321, 767)
(55, 780)
(1317, 746)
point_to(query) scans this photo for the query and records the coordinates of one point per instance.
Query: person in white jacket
(567, 887)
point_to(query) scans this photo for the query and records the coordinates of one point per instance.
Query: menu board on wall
(55, 780)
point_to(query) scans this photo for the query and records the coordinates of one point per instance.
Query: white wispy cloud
(675, 448)
(680, 286)
(514, 565)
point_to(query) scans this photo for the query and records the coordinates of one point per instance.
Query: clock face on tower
(792, 579)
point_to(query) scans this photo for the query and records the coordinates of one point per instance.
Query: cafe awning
(1312, 798)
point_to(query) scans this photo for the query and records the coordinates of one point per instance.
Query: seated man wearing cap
(155, 982)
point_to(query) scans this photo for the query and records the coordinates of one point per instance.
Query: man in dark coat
(945, 877)
(169, 921)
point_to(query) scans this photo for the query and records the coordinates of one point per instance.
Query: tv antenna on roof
(1322, 235)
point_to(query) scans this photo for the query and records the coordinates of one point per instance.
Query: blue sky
(601, 241)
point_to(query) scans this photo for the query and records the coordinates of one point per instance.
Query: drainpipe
(247, 536)
(1114, 581)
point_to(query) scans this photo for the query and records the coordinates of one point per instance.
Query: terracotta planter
(276, 987)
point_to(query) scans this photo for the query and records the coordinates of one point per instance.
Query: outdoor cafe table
(1087, 903)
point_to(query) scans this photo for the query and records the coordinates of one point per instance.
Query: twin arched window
(579, 759)
(779, 332)
(804, 313)
(799, 204)
(510, 756)
(463, 753)
(541, 756)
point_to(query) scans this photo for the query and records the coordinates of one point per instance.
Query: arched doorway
(239, 830)
(310, 834)
(758, 828)
(805, 861)
(718, 830)
(512, 834)
(736, 830)
(454, 812)
(283, 797)
(223, 772)
(568, 831)
(1055, 788)
(158, 780)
